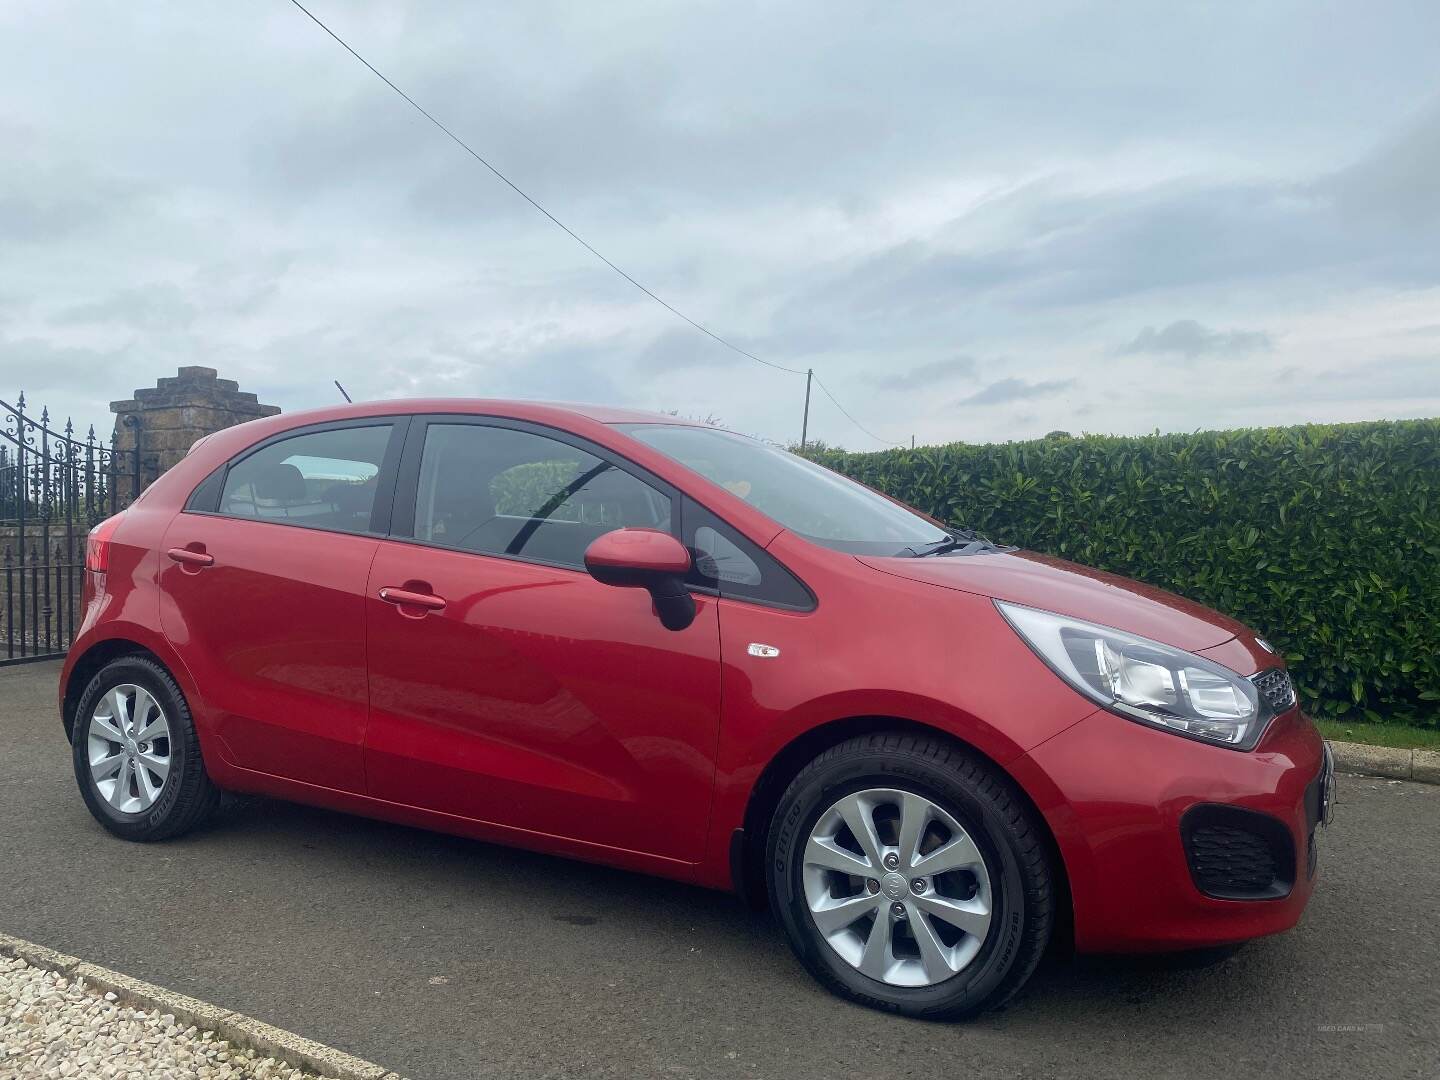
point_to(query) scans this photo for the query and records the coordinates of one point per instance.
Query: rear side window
(499, 491)
(322, 479)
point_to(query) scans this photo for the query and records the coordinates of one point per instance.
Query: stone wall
(169, 416)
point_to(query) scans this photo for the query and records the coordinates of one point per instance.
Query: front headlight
(1142, 679)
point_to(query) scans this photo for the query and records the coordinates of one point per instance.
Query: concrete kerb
(1422, 766)
(236, 1028)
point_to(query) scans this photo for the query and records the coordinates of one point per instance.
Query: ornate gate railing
(53, 489)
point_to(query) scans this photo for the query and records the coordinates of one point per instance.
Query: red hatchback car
(622, 637)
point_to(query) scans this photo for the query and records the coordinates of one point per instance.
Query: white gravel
(52, 1027)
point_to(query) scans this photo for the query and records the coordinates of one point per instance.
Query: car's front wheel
(136, 753)
(911, 877)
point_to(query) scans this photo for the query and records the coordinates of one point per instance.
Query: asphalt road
(446, 958)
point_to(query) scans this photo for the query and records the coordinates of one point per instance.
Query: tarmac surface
(445, 958)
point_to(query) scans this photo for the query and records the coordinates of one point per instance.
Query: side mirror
(646, 559)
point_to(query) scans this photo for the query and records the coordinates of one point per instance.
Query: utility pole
(805, 423)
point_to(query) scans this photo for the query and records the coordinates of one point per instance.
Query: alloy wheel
(128, 747)
(897, 887)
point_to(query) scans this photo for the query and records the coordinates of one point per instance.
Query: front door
(263, 598)
(506, 685)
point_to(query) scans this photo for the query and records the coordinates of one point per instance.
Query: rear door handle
(406, 598)
(186, 557)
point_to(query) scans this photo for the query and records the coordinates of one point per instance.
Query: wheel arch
(748, 843)
(81, 668)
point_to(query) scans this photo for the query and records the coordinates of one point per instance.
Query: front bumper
(1116, 795)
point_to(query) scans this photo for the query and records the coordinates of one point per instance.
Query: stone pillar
(168, 417)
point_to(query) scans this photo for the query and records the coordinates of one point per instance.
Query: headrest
(282, 483)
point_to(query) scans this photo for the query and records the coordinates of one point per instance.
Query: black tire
(187, 797)
(1011, 841)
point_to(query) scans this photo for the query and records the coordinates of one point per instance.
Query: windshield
(820, 505)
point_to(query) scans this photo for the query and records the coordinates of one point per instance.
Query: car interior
(502, 492)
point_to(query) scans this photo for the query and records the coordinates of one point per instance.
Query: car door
(263, 582)
(508, 686)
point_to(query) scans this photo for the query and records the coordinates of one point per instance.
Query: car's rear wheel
(911, 877)
(136, 755)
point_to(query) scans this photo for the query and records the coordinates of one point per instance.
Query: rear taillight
(97, 545)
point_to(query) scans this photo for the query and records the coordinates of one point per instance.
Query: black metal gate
(53, 489)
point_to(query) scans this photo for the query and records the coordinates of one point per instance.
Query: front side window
(321, 479)
(719, 558)
(499, 491)
(734, 567)
(820, 505)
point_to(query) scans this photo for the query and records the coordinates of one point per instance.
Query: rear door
(508, 686)
(262, 585)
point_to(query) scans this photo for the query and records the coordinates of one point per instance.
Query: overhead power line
(569, 231)
(852, 419)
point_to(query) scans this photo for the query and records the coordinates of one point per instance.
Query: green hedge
(1324, 538)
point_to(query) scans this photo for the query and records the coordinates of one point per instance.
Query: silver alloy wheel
(897, 887)
(128, 746)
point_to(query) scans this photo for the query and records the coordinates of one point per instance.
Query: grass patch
(1400, 736)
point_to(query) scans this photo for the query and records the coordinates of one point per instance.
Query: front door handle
(406, 598)
(187, 557)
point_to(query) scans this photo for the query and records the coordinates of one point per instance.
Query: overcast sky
(975, 222)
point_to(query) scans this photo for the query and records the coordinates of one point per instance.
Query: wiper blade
(972, 543)
(939, 547)
(949, 543)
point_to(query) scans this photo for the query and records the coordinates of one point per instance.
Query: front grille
(1277, 689)
(1237, 854)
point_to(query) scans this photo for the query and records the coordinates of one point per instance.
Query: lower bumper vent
(1237, 854)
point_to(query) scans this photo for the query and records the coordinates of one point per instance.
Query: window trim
(407, 490)
(204, 498)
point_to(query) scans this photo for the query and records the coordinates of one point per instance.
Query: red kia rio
(622, 637)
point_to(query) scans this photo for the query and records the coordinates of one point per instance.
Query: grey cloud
(10, 305)
(1190, 339)
(927, 375)
(244, 286)
(644, 114)
(680, 349)
(48, 196)
(998, 393)
(1408, 379)
(150, 307)
(30, 218)
(427, 364)
(74, 383)
(569, 371)
(370, 141)
(814, 210)
(601, 139)
(1399, 181)
(1066, 250)
(1169, 237)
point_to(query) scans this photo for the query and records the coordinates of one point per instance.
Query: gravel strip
(52, 1027)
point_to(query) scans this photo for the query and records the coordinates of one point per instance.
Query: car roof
(611, 414)
(516, 409)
